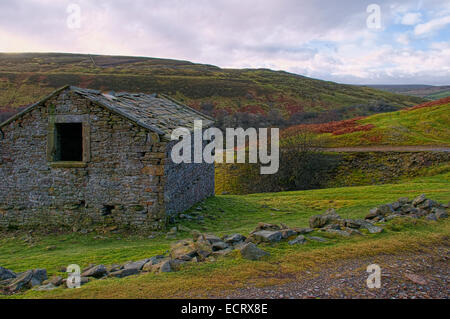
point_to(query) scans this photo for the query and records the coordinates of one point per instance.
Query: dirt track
(388, 148)
(416, 276)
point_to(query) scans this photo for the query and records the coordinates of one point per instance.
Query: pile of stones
(207, 247)
(332, 223)
(403, 207)
(11, 282)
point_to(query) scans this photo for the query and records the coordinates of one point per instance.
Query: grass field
(429, 125)
(240, 214)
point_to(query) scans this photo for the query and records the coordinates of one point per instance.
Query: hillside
(430, 92)
(424, 124)
(270, 97)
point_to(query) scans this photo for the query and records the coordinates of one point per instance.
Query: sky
(357, 42)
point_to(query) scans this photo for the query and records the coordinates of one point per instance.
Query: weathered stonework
(125, 178)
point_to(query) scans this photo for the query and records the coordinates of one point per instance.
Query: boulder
(28, 279)
(219, 245)
(303, 231)
(252, 252)
(6, 274)
(373, 213)
(212, 239)
(115, 267)
(299, 240)
(21, 281)
(316, 238)
(124, 273)
(234, 239)
(96, 271)
(350, 223)
(419, 200)
(369, 226)
(431, 216)
(162, 265)
(46, 287)
(338, 232)
(203, 248)
(286, 233)
(154, 261)
(136, 264)
(329, 217)
(267, 236)
(56, 281)
(183, 249)
(403, 200)
(440, 213)
(223, 252)
(39, 275)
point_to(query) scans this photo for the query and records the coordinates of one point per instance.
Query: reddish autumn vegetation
(335, 128)
(253, 109)
(445, 100)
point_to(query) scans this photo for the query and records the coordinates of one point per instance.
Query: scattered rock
(266, 236)
(369, 226)
(46, 287)
(303, 231)
(28, 279)
(183, 249)
(287, 233)
(114, 268)
(299, 240)
(124, 273)
(329, 217)
(338, 232)
(419, 200)
(223, 252)
(6, 274)
(316, 238)
(440, 213)
(136, 264)
(431, 216)
(96, 272)
(234, 239)
(212, 239)
(252, 252)
(219, 245)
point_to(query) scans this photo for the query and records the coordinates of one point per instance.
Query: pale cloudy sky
(329, 40)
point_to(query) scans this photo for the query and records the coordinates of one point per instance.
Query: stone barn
(80, 157)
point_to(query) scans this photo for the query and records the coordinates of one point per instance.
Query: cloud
(322, 39)
(431, 26)
(411, 18)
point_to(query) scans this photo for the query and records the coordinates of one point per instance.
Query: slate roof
(156, 112)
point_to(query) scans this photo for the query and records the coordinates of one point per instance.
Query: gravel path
(419, 275)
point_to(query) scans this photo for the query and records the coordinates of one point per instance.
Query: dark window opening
(107, 210)
(69, 146)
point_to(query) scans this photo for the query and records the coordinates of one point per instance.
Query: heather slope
(424, 124)
(279, 97)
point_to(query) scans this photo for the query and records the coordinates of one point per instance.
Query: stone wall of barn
(186, 183)
(121, 184)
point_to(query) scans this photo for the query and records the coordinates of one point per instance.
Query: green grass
(241, 214)
(422, 126)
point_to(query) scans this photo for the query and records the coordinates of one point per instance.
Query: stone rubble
(207, 247)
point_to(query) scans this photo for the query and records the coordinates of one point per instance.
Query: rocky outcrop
(417, 208)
